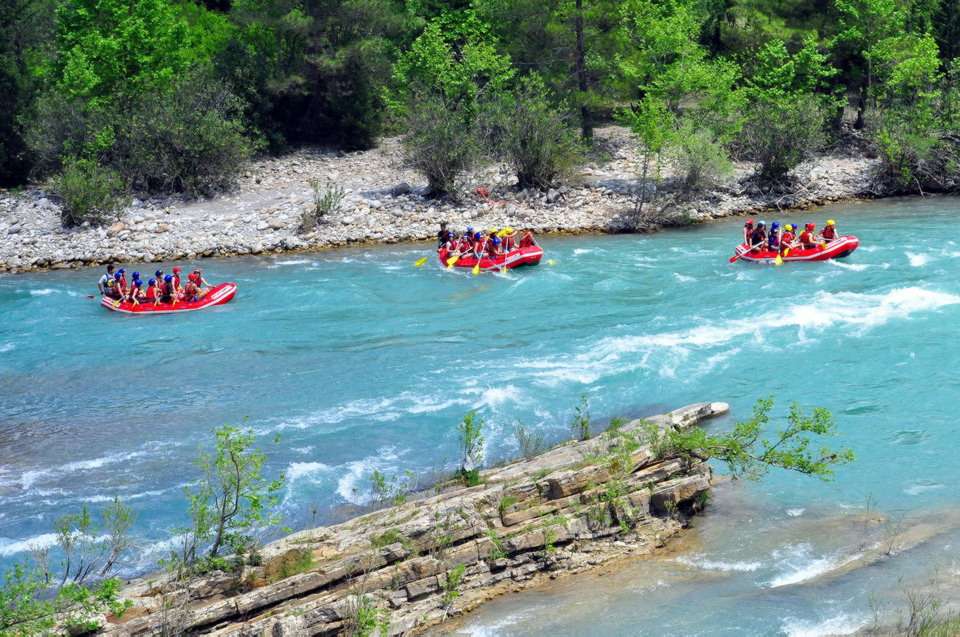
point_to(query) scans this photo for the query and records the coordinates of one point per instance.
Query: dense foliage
(173, 96)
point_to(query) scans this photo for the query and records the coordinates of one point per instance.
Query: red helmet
(810, 226)
(749, 222)
(177, 269)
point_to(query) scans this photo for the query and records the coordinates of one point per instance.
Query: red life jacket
(829, 232)
(151, 294)
(806, 238)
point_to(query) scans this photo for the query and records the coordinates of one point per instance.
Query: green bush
(780, 134)
(699, 158)
(190, 139)
(88, 192)
(442, 142)
(536, 139)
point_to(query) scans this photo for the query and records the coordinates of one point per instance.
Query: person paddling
(136, 290)
(479, 245)
(773, 240)
(176, 280)
(509, 237)
(748, 231)
(787, 239)
(829, 232)
(105, 283)
(167, 292)
(527, 241)
(151, 295)
(759, 236)
(495, 249)
(807, 240)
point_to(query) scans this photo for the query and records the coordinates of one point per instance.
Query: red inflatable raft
(530, 255)
(217, 295)
(836, 249)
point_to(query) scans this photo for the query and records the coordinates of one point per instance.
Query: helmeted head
(137, 283)
(136, 276)
(775, 226)
(496, 241)
(749, 222)
(117, 276)
(469, 229)
(477, 236)
(788, 227)
(168, 278)
(152, 282)
(810, 226)
(121, 271)
(158, 274)
(761, 224)
(831, 222)
(177, 270)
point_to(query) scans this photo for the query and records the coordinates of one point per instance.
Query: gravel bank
(385, 204)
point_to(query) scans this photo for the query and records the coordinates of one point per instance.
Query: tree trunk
(580, 62)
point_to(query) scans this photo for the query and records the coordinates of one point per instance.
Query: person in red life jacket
(788, 238)
(479, 245)
(509, 237)
(197, 277)
(119, 287)
(494, 248)
(168, 293)
(773, 239)
(451, 244)
(191, 292)
(758, 238)
(176, 279)
(829, 232)
(136, 291)
(807, 240)
(465, 244)
(121, 278)
(527, 240)
(748, 231)
(151, 295)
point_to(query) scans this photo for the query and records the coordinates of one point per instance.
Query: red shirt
(787, 237)
(829, 232)
(806, 238)
(151, 293)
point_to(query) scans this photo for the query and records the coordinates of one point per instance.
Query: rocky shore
(385, 203)
(408, 567)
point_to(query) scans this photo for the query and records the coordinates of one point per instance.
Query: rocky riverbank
(385, 203)
(412, 566)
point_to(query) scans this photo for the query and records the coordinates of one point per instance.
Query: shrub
(531, 442)
(190, 138)
(471, 446)
(327, 199)
(914, 157)
(580, 425)
(781, 134)
(88, 192)
(699, 157)
(442, 143)
(537, 140)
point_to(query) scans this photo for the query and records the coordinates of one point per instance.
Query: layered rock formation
(407, 567)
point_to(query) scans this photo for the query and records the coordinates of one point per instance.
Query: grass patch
(290, 563)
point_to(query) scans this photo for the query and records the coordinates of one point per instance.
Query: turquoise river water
(360, 361)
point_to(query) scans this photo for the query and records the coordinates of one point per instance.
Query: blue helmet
(168, 278)
(137, 283)
(477, 236)
(117, 276)
(496, 241)
(761, 223)
(136, 276)
(152, 282)
(121, 271)
(469, 229)
(158, 273)
(775, 225)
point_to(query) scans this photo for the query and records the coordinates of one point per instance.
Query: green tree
(748, 453)
(231, 500)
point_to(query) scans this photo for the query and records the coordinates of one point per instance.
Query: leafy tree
(231, 501)
(471, 445)
(532, 135)
(88, 192)
(653, 125)
(438, 87)
(749, 454)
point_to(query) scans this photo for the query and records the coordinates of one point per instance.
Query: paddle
(480, 253)
(453, 260)
(779, 259)
(736, 257)
(419, 262)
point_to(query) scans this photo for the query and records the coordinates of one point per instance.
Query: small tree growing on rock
(471, 447)
(232, 498)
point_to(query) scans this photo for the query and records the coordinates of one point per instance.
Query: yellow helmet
(831, 222)
(788, 227)
(492, 231)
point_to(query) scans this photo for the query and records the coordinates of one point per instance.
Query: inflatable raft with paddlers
(836, 249)
(529, 255)
(217, 295)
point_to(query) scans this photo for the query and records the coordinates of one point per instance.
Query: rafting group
(161, 293)
(789, 243)
(498, 249)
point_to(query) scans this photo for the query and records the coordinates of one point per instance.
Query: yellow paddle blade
(786, 252)
(551, 262)
(476, 269)
(453, 260)
(419, 262)
(823, 245)
(778, 260)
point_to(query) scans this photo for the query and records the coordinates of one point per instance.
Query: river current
(359, 361)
